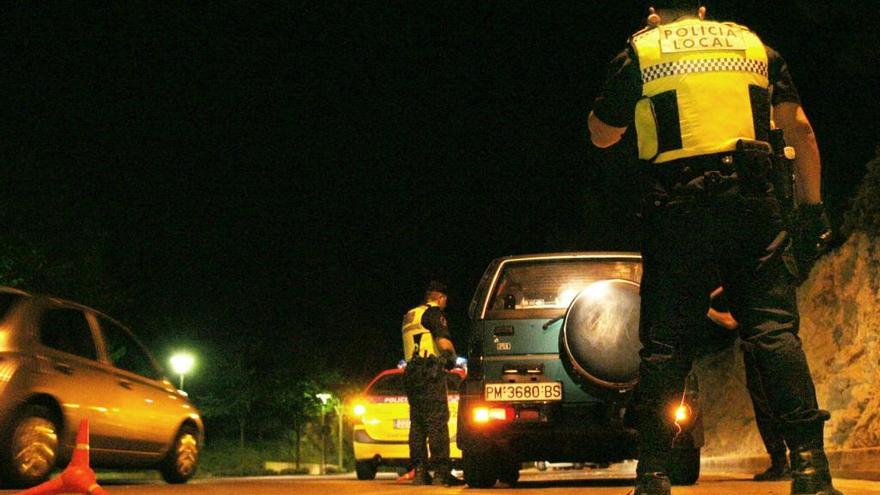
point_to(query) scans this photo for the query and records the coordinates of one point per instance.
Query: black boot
(653, 484)
(810, 474)
(421, 476)
(778, 470)
(445, 478)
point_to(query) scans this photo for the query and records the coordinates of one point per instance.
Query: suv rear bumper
(599, 443)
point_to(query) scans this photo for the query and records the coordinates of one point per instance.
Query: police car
(553, 361)
(381, 430)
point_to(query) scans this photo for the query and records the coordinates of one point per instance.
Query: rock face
(840, 329)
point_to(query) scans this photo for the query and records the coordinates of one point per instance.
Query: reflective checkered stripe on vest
(704, 87)
(417, 340)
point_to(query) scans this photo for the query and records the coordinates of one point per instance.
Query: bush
(226, 458)
(288, 472)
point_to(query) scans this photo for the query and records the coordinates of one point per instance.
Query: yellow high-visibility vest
(417, 340)
(705, 86)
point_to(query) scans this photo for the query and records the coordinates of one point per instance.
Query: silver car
(61, 362)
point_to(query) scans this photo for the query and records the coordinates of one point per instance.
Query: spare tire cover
(600, 334)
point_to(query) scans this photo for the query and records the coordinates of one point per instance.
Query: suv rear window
(542, 289)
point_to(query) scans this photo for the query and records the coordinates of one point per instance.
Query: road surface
(593, 482)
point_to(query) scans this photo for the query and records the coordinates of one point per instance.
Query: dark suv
(553, 359)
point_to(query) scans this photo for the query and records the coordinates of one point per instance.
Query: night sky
(297, 173)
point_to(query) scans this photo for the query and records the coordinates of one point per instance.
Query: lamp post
(337, 408)
(324, 398)
(182, 363)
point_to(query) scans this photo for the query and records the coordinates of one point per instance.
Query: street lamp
(324, 398)
(182, 363)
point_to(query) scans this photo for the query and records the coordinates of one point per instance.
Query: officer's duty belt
(686, 169)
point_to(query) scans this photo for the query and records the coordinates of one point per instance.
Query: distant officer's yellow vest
(417, 340)
(704, 87)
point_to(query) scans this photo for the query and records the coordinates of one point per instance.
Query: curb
(850, 463)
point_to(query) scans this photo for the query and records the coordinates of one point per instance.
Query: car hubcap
(187, 454)
(35, 444)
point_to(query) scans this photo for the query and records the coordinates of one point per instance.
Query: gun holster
(753, 164)
(783, 171)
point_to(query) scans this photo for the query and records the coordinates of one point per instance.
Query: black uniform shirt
(616, 104)
(434, 319)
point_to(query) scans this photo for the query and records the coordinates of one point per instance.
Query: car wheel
(30, 447)
(684, 468)
(509, 474)
(183, 457)
(366, 470)
(479, 470)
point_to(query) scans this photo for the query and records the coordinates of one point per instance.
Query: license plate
(543, 391)
(401, 424)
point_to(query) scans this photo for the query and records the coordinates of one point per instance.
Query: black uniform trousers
(716, 339)
(704, 226)
(425, 382)
(765, 418)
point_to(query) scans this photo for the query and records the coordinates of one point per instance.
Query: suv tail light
(486, 415)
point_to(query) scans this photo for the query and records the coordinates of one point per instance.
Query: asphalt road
(615, 481)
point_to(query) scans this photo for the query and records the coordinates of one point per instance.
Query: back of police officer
(699, 94)
(428, 350)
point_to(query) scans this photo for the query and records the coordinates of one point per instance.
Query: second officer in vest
(428, 350)
(699, 94)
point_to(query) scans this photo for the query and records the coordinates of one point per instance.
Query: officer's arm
(790, 117)
(435, 320)
(601, 134)
(617, 100)
(446, 345)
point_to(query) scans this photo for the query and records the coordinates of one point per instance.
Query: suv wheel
(684, 468)
(29, 447)
(479, 470)
(366, 470)
(183, 457)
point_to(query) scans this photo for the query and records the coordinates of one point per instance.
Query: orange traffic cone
(77, 477)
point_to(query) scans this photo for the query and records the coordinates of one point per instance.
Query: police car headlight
(359, 410)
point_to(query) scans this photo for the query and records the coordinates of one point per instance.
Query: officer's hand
(448, 358)
(812, 236)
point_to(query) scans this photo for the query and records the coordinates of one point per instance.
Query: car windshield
(545, 288)
(7, 300)
(392, 384)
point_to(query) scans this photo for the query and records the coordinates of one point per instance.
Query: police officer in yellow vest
(429, 352)
(699, 95)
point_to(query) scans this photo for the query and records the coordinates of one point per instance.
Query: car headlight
(7, 370)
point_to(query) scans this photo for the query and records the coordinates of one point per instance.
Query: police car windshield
(545, 288)
(392, 384)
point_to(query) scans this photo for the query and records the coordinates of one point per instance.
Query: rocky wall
(840, 329)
